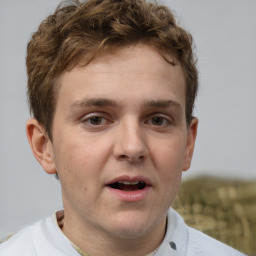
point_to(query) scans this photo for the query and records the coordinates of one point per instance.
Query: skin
(123, 114)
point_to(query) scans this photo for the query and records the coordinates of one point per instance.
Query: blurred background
(225, 38)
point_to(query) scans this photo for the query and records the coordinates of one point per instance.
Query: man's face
(120, 142)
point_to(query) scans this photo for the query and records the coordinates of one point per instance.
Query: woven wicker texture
(223, 209)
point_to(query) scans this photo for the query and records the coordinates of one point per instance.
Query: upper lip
(130, 179)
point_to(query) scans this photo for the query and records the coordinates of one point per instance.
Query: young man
(111, 86)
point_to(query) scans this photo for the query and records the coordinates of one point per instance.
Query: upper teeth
(129, 182)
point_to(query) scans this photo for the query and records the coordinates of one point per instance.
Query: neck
(94, 241)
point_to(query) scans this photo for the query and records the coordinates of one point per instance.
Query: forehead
(138, 70)
(138, 57)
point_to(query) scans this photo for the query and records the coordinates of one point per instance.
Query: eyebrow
(162, 104)
(102, 102)
(97, 102)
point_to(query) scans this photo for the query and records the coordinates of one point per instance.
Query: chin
(132, 224)
(130, 231)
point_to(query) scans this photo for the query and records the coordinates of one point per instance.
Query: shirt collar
(176, 238)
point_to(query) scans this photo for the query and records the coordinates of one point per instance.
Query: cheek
(169, 157)
(170, 172)
(80, 158)
(76, 173)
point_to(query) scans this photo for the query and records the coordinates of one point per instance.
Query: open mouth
(130, 189)
(128, 185)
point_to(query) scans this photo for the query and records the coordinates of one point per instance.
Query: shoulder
(191, 242)
(199, 244)
(21, 243)
(41, 239)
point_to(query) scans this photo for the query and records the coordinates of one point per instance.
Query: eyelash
(163, 121)
(88, 121)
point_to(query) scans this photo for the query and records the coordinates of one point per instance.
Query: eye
(95, 120)
(158, 121)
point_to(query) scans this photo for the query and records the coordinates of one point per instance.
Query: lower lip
(130, 196)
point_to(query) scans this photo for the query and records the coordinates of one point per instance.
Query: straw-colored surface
(223, 209)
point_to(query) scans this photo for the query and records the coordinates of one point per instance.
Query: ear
(191, 138)
(41, 145)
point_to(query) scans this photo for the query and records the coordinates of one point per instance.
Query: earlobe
(41, 145)
(191, 139)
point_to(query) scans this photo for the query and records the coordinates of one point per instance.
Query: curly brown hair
(78, 31)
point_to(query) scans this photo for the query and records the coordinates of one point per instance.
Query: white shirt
(44, 238)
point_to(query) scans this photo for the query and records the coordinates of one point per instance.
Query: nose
(131, 143)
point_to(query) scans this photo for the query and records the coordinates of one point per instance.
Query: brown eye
(95, 120)
(158, 121)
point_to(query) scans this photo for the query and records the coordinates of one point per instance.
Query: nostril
(131, 159)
